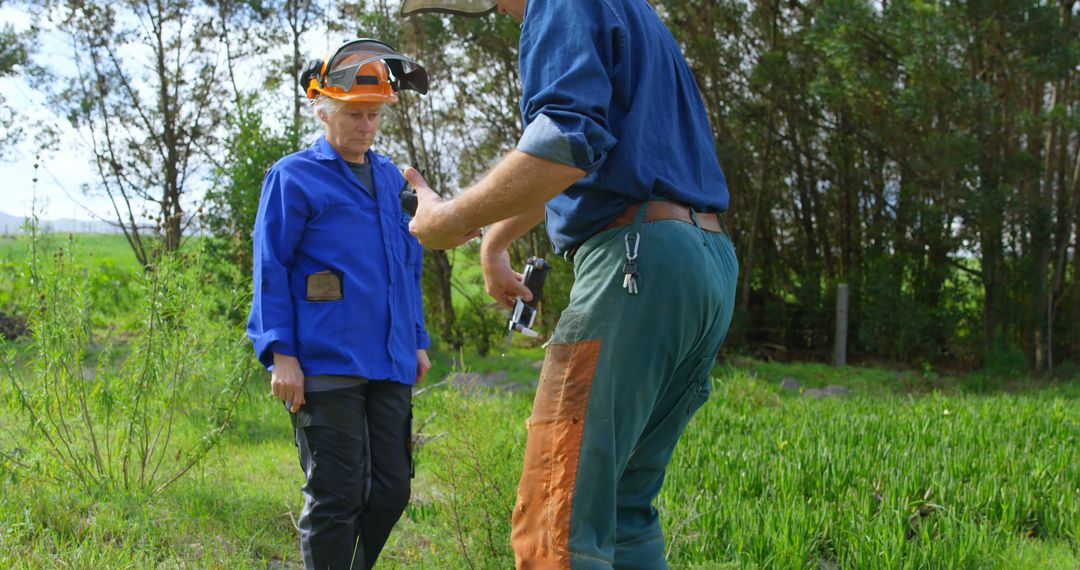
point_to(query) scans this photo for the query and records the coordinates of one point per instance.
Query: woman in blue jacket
(336, 314)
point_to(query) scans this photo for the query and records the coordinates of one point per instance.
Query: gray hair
(331, 106)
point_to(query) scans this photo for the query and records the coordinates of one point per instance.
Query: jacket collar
(323, 150)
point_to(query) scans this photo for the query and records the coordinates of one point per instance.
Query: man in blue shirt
(336, 313)
(618, 155)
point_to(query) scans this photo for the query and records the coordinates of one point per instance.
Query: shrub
(136, 423)
(474, 463)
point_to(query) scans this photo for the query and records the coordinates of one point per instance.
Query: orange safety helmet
(363, 70)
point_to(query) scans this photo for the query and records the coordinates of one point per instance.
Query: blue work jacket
(605, 88)
(315, 216)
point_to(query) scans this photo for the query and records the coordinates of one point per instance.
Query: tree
(14, 55)
(909, 149)
(146, 96)
(248, 31)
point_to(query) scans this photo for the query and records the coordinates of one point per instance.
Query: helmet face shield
(458, 7)
(343, 66)
(363, 70)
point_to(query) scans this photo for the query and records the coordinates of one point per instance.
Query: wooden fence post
(840, 348)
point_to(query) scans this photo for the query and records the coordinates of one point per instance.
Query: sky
(62, 172)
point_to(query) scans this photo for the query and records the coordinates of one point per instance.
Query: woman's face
(351, 131)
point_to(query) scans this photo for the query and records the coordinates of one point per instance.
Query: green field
(110, 249)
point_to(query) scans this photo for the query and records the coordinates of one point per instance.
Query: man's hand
(423, 364)
(435, 224)
(517, 186)
(287, 381)
(500, 280)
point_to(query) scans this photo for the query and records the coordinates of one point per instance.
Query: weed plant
(468, 466)
(136, 424)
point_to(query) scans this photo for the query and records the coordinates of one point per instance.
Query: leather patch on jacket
(324, 286)
(540, 533)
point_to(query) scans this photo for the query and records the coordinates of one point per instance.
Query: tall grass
(469, 472)
(887, 482)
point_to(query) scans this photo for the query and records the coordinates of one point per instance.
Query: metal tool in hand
(521, 320)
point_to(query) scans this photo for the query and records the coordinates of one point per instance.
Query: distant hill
(11, 224)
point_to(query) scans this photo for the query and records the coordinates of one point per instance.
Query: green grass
(885, 382)
(882, 478)
(111, 250)
(110, 266)
(108, 260)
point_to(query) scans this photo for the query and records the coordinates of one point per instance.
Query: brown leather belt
(708, 221)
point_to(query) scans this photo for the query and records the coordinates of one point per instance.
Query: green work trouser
(622, 377)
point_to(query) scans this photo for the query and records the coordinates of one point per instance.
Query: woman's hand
(287, 381)
(423, 364)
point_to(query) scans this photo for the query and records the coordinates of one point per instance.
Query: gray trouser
(353, 445)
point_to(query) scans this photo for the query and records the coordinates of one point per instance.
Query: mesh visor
(349, 58)
(459, 7)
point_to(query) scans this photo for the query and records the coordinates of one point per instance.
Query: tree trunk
(447, 318)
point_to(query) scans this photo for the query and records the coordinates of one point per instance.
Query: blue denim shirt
(606, 89)
(314, 216)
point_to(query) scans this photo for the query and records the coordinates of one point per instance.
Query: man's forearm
(519, 185)
(499, 236)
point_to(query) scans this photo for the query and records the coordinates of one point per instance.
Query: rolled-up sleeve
(279, 226)
(568, 50)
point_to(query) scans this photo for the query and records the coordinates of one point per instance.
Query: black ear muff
(312, 71)
(394, 70)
